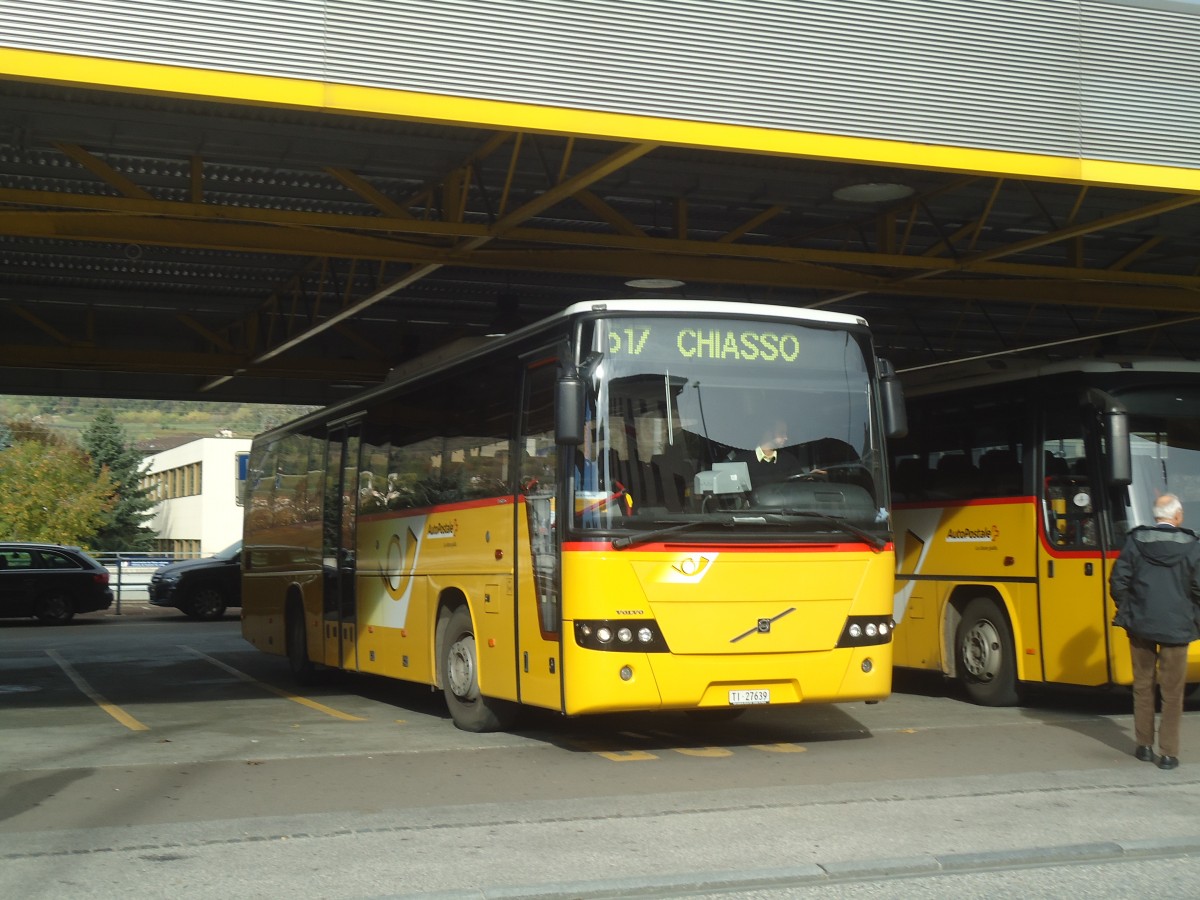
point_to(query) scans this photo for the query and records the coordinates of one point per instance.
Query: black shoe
(1144, 753)
(1168, 762)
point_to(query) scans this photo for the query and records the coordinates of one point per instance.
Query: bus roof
(683, 306)
(983, 372)
(466, 348)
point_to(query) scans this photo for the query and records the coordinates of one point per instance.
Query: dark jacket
(1155, 584)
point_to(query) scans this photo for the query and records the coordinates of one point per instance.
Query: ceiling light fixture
(873, 192)
(654, 284)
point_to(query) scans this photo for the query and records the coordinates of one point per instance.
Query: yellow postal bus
(1014, 491)
(568, 518)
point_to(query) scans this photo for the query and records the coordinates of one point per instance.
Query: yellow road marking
(625, 755)
(92, 694)
(779, 748)
(287, 695)
(703, 751)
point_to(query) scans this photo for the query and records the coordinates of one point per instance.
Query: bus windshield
(695, 420)
(1165, 440)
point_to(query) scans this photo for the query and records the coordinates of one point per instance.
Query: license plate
(749, 698)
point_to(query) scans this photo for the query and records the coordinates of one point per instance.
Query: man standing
(1155, 584)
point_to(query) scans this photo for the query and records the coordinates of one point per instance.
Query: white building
(197, 486)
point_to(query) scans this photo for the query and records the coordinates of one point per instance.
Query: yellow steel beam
(606, 213)
(102, 170)
(1078, 230)
(173, 362)
(815, 268)
(211, 336)
(369, 192)
(40, 324)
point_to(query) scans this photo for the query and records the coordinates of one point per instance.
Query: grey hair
(1167, 507)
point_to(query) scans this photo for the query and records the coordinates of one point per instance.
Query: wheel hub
(461, 668)
(981, 651)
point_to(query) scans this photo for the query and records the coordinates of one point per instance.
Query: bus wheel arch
(457, 672)
(984, 650)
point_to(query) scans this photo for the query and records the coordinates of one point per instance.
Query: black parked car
(202, 588)
(51, 582)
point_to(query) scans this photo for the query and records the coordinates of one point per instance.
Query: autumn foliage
(48, 491)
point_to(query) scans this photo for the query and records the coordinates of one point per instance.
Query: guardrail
(130, 572)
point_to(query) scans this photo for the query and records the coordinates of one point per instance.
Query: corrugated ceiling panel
(1046, 76)
(260, 36)
(976, 74)
(1141, 83)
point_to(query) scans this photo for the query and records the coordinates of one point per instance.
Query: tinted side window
(53, 560)
(17, 559)
(963, 446)
(445, 441)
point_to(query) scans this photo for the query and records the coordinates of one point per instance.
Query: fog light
(604, 633)
(626, 673)
(867, 665)
(855, 631)
(585, 630)
(624, 635)
(645, 635)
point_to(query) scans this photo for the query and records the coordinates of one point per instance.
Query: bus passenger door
(539, 606)
(338, 556)
(1071, 578)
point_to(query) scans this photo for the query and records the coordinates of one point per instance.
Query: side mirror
(1118, 458)
(891, 400)
(568, 410)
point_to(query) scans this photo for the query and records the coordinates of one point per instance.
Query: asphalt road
(152, 756)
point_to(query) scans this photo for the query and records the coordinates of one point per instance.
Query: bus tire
(304, 670)
(470, 710)
(986, 659)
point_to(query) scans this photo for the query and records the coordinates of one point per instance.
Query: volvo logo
(763, 626)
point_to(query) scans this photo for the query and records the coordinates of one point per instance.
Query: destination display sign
(725, 340)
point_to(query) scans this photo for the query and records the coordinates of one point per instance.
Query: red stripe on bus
(983, 501)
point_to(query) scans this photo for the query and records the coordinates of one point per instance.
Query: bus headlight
(637, 635)
(864, 631)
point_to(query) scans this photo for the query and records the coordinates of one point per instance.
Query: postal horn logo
(401, 559)
(690, 568)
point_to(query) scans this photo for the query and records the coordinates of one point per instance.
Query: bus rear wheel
(470, 710)
(986, 662)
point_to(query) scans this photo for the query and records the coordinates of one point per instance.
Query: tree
(125, 524)
(47, 490)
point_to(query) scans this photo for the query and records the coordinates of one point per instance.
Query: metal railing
(130, 572)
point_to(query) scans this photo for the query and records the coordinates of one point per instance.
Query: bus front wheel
(470, 710)
(986, 661)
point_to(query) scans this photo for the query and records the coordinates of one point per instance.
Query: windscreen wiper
(875, 541)
(646, 537)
